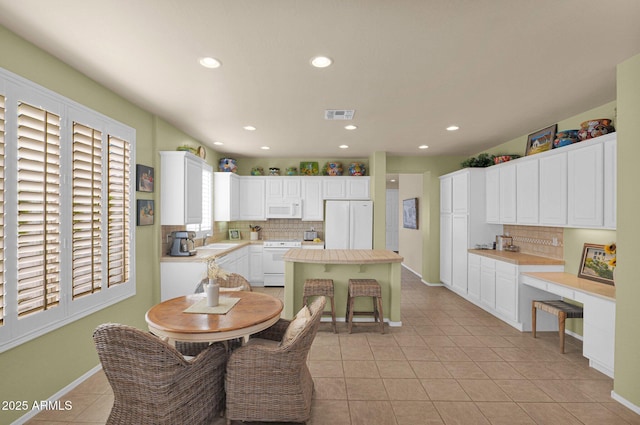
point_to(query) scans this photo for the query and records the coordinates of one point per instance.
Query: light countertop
(342, 256)
(574, 282)
(517, 258)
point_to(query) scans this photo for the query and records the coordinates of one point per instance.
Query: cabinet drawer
(562, 291)
(529, 281)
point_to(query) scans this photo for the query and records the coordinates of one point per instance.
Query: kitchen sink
(219, 246)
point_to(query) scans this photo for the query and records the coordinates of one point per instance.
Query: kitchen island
(342, 265)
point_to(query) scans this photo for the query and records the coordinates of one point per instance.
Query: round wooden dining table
(253, 313)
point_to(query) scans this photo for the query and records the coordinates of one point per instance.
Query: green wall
(627, 367)
(39, 368)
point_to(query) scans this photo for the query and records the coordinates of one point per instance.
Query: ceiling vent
(339, 114)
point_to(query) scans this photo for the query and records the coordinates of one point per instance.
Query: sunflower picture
(598, 262)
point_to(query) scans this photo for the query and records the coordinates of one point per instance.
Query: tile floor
(450, 363)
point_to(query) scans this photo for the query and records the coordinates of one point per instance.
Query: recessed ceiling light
(321, 61)
(218, 143)
(265, 148)
(423, 147)
(453, 128)
(210, 62)
(249, 128)
(344, 146)
(350, 127)
(392, 180)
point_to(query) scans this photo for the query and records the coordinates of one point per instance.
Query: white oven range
(272, 262)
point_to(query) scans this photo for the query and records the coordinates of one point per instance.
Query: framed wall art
(144, 178)
(598, 263)
(234, 234)
(410, 213)
(144, 212)
(541, 140)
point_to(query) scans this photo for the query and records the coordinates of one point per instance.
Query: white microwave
(289, 208)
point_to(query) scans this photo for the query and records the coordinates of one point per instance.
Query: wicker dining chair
(233, 282)
(153, 383)
(268, 378)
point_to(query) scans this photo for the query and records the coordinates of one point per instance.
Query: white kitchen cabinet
(446, 253)
(446, 191)
(180, 188)
(256, 275)
(553, 189)
(180, 278)
(527, 192)
(492, 182)
(312, 203)
(340, 187)
(459, 247)
(280, 188)
(473, 278)
(599, 331)
(585, 184)
(252, 198)
(508, 193)
(463, 228)
(610, 183)
(506, 290)
(226, 197)
(488, 283)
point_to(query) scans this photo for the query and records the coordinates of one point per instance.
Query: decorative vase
(254, 236)
(212, 289)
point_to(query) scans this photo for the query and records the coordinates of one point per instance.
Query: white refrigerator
(348, 225)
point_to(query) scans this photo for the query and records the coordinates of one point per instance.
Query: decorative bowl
(292, 171)
(565, 138)
(309, 168)
(499, 159)
(595, 128)
(274, 171)
(357, 169)
(257, 171)
(228, 165)
(333, 169)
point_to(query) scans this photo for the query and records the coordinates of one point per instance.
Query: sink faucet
(204, 239)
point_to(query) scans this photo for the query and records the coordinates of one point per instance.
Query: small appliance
(310, 235)
(182, 244)
(502, 242)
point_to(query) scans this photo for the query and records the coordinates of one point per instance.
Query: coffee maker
(182, 244)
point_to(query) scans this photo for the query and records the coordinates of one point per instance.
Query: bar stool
(365, 288)
(320, 287)
(561, 309)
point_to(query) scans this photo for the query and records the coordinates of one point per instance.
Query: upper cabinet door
(445, 195)
(193, 191)
(312, 204)
(252, 198)
(508, 193)
(585, 186)
(553, 190)
(492, 201)
(460, 197)
(527, 192)
(610, 184)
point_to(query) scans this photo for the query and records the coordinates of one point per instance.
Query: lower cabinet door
(488, 282)
(473, 278)
(506, 289)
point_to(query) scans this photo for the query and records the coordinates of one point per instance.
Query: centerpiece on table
(212, 288)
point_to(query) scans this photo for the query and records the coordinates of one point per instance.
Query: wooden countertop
(575, 282)
(517, 258)
(342, 256)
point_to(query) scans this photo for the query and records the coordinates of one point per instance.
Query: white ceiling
(496, 68)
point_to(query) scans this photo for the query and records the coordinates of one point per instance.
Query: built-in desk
(599, 305)
(342, 265)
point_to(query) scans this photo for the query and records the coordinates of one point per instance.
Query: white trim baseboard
(626, 403)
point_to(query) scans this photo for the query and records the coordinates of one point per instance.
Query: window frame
(15, 331)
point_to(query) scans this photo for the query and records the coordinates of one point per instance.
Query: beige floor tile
(444, 390)
(416, 413)
(412, 340)
(387, 339)
(549, 414)
(371, 413)
(433, 341)
(428, 330)
(329, 389)
(499, 370)
(395, 369)
(460, 413)
(383, 352)
(562, 391)
(466, 341)
(404, 389)
(419, 353)
(366, 389)
(453, 330)
(494, 340)
(483, 390)
(360, 369)
(325, 368)
(330, 412)
(356, 352)
(465, 370)
(523, 391)
(451, 354)
(481, 354)
(325, 352)
(477, 330)
(430, 370)
(504, 413)
(624, 412)
(593, 414)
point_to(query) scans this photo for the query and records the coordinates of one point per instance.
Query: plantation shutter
(2, 275)
(119, 158)
(87, 204)
(38, 172)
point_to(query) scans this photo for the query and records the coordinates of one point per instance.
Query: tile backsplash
(534, 240)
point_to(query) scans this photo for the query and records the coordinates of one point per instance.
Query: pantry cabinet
(180, 188)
